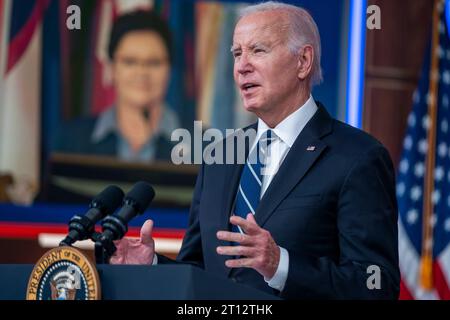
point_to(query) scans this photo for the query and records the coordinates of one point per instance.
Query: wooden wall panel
(386, 119)
(394, 57)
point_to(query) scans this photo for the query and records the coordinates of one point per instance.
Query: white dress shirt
(285, 134)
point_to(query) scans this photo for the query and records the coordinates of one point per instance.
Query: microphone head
(140, 196)
(108, 200)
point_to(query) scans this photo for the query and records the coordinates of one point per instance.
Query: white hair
(303, 30)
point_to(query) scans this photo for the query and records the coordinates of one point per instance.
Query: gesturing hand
(256, 247)
(136, 251)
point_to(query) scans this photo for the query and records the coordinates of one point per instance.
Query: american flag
(417, 163)
(20, 86)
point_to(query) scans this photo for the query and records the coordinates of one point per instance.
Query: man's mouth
(246, 87)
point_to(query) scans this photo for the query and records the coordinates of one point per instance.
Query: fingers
(122, 247)
(131, 250)
(240, 263)
(251, 218)
(117, 244)
(249, 226)
(235, 251)
(257, 249)
(146, 232)
(234, 236)
(115, 259)
(118, 256)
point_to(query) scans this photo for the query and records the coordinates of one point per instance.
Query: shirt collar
(289, 129)
(107, 123)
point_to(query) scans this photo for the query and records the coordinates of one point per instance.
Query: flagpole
(426, 260)
(4, 39)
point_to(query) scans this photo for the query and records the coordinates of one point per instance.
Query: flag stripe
(20, 13)
(440, 282)
(2, 13)
(404, 292)
(409, 267)
(5, 18)
(20, 37)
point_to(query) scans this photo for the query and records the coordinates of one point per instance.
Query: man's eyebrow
(251, 46)
(234, 47)
(258, 44)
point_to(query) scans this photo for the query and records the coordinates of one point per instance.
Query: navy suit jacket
(333, 209)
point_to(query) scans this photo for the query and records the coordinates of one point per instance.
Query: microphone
(135, 203)
(105, 203)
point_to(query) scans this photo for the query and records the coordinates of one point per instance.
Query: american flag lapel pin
(311, 148)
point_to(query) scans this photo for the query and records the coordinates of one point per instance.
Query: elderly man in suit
(323, 215)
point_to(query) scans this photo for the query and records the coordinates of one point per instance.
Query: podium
(133, 282)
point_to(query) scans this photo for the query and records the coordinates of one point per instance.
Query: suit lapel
(305, 151)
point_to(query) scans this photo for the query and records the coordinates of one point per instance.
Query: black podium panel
(132, 282)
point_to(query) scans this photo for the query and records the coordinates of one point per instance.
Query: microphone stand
(103, 242)
(114, 228)
(104, 248)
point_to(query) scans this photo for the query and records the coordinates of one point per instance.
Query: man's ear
(305, 61)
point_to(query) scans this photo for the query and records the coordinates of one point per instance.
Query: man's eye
(259, 50)
(236, 54)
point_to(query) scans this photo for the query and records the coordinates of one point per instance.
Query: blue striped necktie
(249, 190)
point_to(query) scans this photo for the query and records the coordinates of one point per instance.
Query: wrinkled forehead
(264, 26)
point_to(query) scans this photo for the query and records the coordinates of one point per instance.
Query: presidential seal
(64, 273)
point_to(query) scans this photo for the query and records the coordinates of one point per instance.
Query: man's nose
(244, 64)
